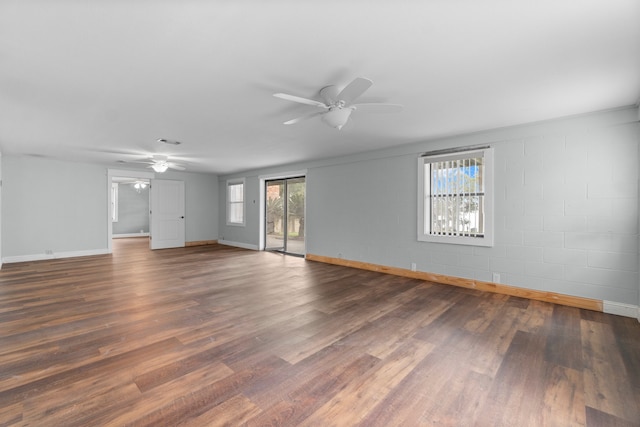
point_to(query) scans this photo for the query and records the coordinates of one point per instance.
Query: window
(455, 197)
(114, 202)
(235, 202)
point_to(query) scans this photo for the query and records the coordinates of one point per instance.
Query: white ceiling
(102, 80)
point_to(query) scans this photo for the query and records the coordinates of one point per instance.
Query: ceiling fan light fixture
(139, 186)
(338, 105)
(160, 167)
(337, 117)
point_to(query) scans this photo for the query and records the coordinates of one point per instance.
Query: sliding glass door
(284, 215)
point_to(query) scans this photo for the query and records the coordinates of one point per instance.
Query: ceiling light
(160, 166)
(336, 117)
(139, 186)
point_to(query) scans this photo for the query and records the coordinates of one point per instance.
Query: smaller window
(235, 202)
(114, 202)
(455, 197)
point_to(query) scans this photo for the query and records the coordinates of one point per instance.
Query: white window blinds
(456, 194)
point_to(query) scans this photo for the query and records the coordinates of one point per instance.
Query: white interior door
(166, 214)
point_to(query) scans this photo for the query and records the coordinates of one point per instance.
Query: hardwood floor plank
(564, 341)
(490, 346)
(460, 400)
(182, 399)
(597, 418)
(78, 405)
(121, 361)
(564, 398)
(626, 335)
(485, 313)
(235, 411)
(312, 393)
(354, 401)
(317, 367)
(416, 400)
(11, 415)
(516, 396)
(216, 335)
(606, 380)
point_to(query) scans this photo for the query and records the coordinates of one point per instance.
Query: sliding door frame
(263, 202)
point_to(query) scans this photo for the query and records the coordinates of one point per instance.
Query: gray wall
(201, 204)
(566, 211)
(133, 210)
(62, 207)
(249, 234)
(51, 205)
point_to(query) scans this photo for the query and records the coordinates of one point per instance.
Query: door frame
(111, 173)
(263, 203)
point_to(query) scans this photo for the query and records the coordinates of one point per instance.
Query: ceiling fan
(338, 105)
(160, 163)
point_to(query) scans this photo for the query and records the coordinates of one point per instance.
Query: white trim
(621, 309)
(55, 255)
(238, 245)
(127, 235)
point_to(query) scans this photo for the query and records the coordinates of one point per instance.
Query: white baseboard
(238, 244)
(55, 255)
(627, 310)
(127, 235)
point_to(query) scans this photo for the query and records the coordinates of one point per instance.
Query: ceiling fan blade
(300, 100)
(135, 162)
(177, 167)
(378, 108)
(354, 89)
(299, 119)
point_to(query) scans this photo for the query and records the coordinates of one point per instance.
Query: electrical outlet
(413, 266)
(496, 277)
(48, 252)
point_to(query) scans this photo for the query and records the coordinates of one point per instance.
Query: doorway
(170, 201)
(129, 207)
(284, 215)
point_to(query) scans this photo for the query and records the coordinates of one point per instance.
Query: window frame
(424, 194)
(115, 190)
(229, 184)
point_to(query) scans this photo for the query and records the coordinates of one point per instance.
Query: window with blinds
(454, 196)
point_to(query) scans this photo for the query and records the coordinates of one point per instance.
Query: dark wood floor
(215, 335)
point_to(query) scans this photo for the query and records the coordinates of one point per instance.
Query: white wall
(62, 207)
(566, 208)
